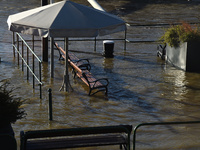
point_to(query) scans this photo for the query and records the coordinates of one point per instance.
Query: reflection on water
(180, 82)
(108, 64)
(142, 88)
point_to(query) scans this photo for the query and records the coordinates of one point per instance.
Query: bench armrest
(105, 80)
(81, 60)
(84, 64)
(95, 81)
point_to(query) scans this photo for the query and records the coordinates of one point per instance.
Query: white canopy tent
(65, 19)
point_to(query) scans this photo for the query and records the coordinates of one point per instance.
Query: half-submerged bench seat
(81, 68)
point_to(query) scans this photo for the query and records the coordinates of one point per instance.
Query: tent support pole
(52, 58)
(44, 40)
(95, 44)
(66, 76)
(33, 59)
(45, 49)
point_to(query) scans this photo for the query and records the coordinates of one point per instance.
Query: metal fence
(158, 123)
(24, 54)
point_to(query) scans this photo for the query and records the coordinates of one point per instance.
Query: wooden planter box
(185, 57)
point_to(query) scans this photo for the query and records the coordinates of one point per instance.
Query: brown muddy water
(142, 87)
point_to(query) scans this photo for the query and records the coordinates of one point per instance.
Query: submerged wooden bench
(95, 85)
(82, 63)
(82, 70)
(76, 137)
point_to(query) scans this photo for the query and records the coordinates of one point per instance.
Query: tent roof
(65, 19)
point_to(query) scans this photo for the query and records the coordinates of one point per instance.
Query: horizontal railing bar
(127, 40)
(158, 24)
(83, 40)
(94, 39)
(27, 64)
(147, 41)
(158, 123)
(30, 40)
(165, 123)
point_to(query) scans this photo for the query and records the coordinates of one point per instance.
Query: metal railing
(25, 61)
(158, 123)
(95, 40)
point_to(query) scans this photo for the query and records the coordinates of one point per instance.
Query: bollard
(108, 48)
(50, 105)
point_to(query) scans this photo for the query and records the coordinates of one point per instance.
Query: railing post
(27, 64)
(18, 50)
(125, 40)
(95, 44)
(50, 105)
(22, 56)
(33, 61)
(13, 44)
(40, 76)
(134, 135)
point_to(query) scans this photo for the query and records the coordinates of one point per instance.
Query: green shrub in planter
(182, 46)
(175, 35)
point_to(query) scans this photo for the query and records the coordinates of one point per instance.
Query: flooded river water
(142, 87)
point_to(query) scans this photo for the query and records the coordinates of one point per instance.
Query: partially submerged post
(44, 40)
(108, 48)
(50, 105)
(52, 58)
(66, 76)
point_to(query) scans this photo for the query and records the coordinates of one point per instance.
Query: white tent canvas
(65, 19)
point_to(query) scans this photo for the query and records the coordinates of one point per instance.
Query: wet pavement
(142, 87)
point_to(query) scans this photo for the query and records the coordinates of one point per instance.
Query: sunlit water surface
(142, 87)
